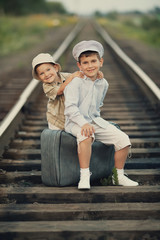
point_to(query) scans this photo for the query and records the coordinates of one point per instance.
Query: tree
(56, 7)
(20, 7)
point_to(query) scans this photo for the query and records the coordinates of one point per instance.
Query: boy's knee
(82, 138)
(88, 140)
(84, 144)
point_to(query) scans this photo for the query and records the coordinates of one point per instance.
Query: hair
(87, 54)
(49, 63)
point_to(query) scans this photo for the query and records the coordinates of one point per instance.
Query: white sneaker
(84, 182)
(125, 181)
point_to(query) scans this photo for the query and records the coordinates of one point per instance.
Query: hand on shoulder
(78, 74)
(100, 75)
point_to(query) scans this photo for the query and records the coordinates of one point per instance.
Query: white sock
(120, 172)
(84, 171)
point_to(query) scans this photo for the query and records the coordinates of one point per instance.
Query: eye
(48, 69)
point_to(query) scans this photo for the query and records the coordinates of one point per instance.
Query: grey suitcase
(59, 159)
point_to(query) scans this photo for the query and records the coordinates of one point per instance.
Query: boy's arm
(68, 80)
(71, 93)
(104, 92)
(50, 90)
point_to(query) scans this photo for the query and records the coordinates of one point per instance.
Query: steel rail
(133, 66)
(34, 83)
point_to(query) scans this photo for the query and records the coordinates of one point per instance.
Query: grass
(19, 33)
(108, 181)
(133, 27)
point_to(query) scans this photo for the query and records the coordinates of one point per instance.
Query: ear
(79, 65)
(56, 67)
(101, 62)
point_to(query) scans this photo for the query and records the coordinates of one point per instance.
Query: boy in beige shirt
(45, 69)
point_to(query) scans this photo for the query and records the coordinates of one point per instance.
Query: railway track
(30, 210)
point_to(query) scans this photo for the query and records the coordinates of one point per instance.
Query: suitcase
(59, 159)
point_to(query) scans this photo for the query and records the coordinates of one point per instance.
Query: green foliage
(151, 26)
(98, 14)
(20, 33)
(156, 10)
(129, 23)
(145, 28)
(108, 181)
(115, 176)
(56, 7)
(112, 15)
(19, 7)
(150, 23)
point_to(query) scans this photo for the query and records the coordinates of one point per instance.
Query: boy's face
(47, 72)
(90, 65)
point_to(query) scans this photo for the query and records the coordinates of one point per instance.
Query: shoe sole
(85, 188)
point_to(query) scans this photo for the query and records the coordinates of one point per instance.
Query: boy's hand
(87, 130)
(77, 74)
(100, 75)
(71, 76)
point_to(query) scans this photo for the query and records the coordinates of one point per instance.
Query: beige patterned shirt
(55, 106)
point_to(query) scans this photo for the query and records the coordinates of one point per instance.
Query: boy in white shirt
(83, 99)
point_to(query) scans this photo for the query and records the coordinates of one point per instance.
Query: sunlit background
(24, 23)
(87, 7)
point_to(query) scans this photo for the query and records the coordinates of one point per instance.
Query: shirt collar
(87, 78)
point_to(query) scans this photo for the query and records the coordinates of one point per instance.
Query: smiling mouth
(48, 77)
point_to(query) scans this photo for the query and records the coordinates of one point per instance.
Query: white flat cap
(90, 45)
(42, 58)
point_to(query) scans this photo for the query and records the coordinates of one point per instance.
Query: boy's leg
(84, 152)
(84, 155)
(112, 135)
(120, 157)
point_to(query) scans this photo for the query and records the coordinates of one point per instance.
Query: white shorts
(108, 136)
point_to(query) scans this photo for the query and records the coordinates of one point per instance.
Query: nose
(46, 74)
(89, 64)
